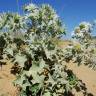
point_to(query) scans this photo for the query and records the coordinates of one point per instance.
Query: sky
(71, 12)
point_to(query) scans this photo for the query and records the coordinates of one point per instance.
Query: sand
(87, 75)
(6, 78)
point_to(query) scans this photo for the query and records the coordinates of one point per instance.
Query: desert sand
(6, 81)
(87, 75)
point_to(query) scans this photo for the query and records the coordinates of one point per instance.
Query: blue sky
(71, 12)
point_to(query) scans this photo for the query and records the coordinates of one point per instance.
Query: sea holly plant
(38, 62)
(83, 46)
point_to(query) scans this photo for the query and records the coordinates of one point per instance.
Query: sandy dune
(6, 79)
(87, 75)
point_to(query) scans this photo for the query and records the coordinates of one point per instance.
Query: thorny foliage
(83, 47)
(38, 62)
